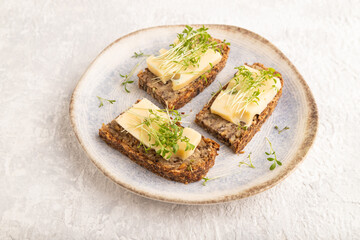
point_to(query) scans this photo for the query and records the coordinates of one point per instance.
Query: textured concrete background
(50, 190)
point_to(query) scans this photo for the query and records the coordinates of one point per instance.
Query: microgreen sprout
(272, 157)
(187, 50)
(284, 129)
(102, 101)
(206, 179)
(208, 71)
(163, 130)
(220, 88)
(226, 43)
(127, 77)
(247, 87)
(126, 81)
(140, 54)
(243, 127)
(247, 164)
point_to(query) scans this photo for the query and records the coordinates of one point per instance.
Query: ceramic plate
(296, 109)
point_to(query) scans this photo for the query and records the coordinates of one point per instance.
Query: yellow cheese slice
(133, 117)
(193, 73)
(187, 76)
(231, 108)
(195, 138)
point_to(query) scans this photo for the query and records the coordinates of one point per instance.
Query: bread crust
(192, 169)
(229, 133)
(176, 99)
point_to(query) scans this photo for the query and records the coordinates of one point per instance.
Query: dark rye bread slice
(229, 133)
(192, 169)
(178, 98)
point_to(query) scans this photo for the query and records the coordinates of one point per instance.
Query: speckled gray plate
(296, 109)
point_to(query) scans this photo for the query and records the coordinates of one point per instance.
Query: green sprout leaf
(272, 167)
(102, 101)
(247, 87)
(284, 129)
(273, 158)
(206, 179)
(220, 88)
(243, 127)
(187, 51)
(127, 77)
(247, 164)
(162, 128)
(139, 55)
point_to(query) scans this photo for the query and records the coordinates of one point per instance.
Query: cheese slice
(187, 76)
(194, 139)
(231, 109)
(133, 117)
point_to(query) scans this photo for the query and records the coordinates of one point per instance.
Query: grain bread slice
(229, 133)
(178, 98)
(192, 169)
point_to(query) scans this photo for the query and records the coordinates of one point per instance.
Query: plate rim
(308, 140)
